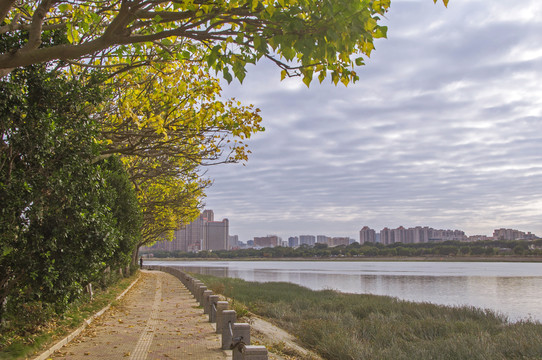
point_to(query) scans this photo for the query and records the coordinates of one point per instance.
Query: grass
(352, 326)
(14, 345)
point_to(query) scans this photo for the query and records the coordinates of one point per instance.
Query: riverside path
(157, 319)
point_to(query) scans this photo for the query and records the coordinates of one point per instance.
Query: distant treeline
(446, 248)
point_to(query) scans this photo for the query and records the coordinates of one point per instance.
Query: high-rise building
(293, 241)
(337, 241)
(399, 235)
(512, 234)
(385, 236)
(267, 241)
(201, 234)
(321, 239)
(217, 235)
(420, 234)
(367, 235)
(193, 237)
(233, 241)
(307, 240)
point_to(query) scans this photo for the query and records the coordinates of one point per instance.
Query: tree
(307, 36)
(64, 217)
(167, 121)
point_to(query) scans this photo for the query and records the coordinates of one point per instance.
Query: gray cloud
(443, 129)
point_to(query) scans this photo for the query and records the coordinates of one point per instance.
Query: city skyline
(298, 234)
(444, 129)
(440, 234)
(204, 233)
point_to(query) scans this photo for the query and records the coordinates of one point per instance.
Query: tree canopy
(64, 218)
(306, 37)
(167, 121)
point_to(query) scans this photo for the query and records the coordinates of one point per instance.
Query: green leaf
(322, 76)
(270, 9)
(380, 32)
(370, 24)
(257, 41)
(307, 80)
(239, 38)
(239, 70)
(7, 251)
(227, 76)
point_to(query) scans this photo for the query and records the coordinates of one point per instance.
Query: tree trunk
(135, 257)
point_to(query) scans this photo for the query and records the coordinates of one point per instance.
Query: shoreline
(332, 323)
(508, 258)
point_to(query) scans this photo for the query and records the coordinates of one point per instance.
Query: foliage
(449, 249)
(166, 121)
(125, 209)
(21, 339)
(64, 218)
(351, 326)
(310, 36)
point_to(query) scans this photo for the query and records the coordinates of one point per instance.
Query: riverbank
(350, 326)
(505, 258)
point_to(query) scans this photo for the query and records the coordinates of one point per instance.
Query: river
(513, 289)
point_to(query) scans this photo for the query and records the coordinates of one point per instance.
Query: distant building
(217, 235)
(201, 234)
(233, 242)
(367, 235)
(321, 239)
(479, 238)
(447, 235)
(293, 241)
(399, 235)
(337, 241)
(512, 234)
(307, 240)
(267, 241)
(193, 237)
(418, 235)
(385, 236)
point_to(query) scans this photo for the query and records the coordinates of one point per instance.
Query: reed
(352, 326)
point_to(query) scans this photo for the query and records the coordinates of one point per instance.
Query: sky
(443, 129)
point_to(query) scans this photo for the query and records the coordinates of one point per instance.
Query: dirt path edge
(47, 353)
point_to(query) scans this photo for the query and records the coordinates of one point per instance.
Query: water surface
(513, 289)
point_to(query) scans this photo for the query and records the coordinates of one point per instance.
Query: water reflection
(509, 288)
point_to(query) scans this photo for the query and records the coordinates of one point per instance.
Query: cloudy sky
(444, 129)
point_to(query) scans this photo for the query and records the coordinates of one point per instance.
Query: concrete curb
(45, 355)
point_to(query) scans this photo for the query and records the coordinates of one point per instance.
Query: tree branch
(34, 37)
(5, 7)
(14, 27)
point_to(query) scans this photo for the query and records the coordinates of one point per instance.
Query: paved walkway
(157, 319)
